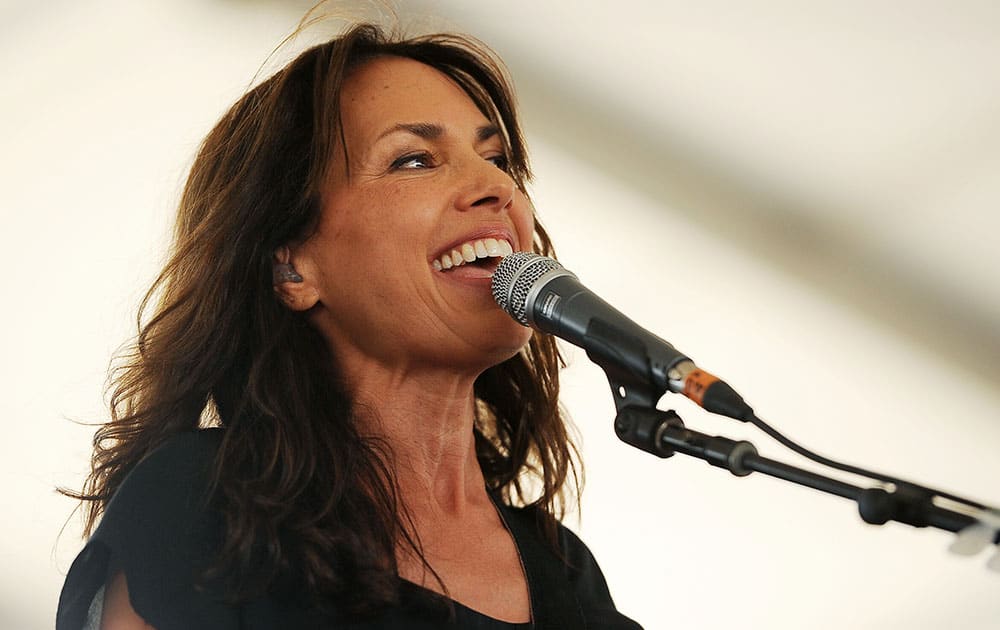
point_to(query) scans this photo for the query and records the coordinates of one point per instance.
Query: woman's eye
(412, 161)
(500, 161)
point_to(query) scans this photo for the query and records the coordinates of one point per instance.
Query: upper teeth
(470, 251)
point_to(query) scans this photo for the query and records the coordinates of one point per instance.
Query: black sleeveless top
(158, 531)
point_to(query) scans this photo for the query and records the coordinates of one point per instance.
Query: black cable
(776, 435)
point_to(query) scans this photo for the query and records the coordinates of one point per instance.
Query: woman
(326, 310)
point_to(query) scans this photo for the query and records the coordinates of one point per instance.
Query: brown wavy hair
(293, 471)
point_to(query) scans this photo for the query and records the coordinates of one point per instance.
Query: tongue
(490, 263)
(480, 268)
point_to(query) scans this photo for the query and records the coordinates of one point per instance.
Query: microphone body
(539, 292)
(561, 305)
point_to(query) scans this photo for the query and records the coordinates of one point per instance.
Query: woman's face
(417, 190)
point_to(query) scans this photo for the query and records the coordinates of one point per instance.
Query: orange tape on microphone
(697, 383)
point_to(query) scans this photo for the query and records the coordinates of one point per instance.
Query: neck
(426, 417)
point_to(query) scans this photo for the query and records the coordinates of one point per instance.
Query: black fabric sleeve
(159, 530)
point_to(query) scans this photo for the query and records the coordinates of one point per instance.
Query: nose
(486, 186)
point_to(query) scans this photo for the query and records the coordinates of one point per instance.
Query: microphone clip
(644, 428)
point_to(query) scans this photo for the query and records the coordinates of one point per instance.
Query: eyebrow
(432, 131)
(486, 132)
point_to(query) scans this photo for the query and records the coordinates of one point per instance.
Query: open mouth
(482, 254)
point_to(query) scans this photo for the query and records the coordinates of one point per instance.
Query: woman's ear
(294, 291)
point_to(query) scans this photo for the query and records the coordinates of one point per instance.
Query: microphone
(540, 293)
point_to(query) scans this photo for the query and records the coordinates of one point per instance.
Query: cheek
(357, 233)
(523, 216)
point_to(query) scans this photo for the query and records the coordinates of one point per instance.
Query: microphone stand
(663, 434)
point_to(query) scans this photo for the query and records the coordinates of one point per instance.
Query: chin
(511, 351)
(497, 349)
(493, 340)
(514, 334)
(499, 360)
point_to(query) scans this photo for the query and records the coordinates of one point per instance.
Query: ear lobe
(291, 288)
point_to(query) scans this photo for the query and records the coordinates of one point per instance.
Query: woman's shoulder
(531, 521)
(566, 579)
(185, 456)
(161, 530)
(166, 495)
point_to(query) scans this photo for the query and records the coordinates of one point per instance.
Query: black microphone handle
(564, 307)
(559, 304)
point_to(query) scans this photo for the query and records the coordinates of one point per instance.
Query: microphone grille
(513, 279)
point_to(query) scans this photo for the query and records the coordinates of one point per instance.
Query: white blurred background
(803, 196)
